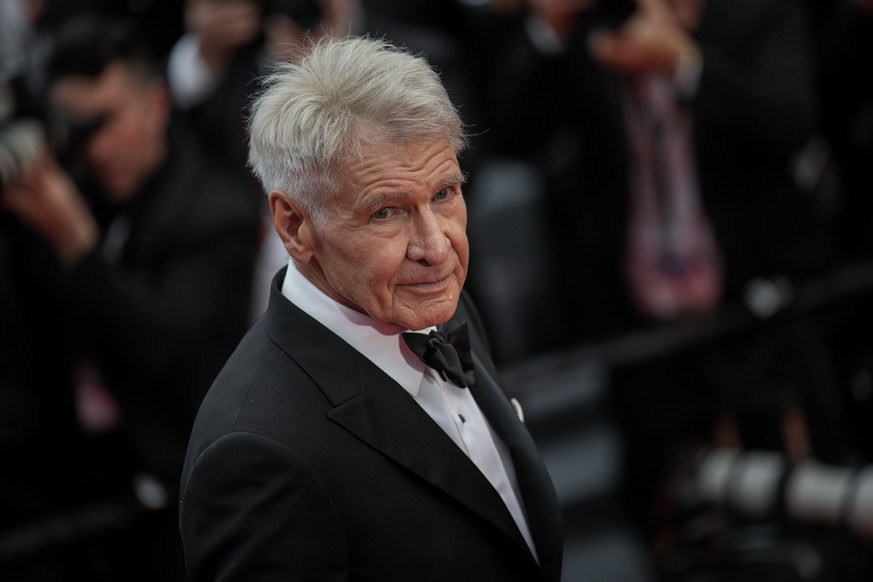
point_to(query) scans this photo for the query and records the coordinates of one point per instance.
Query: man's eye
(443, 194)
(382, 213)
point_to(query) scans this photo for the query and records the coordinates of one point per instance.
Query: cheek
(142, 137)
(118, 145)
(385, 263)
(101, 145)
(367, 269)
(460, 243)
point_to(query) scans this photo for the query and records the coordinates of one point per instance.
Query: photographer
(151, 250)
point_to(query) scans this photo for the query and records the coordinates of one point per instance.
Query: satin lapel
(388, 419)
(537, 491)
(370, 405)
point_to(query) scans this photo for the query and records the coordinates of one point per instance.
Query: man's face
(129, 116)
(394, 244)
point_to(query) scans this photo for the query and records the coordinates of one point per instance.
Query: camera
(760, 484)
(27, 126)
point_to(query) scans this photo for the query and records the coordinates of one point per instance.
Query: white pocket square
(517, 407)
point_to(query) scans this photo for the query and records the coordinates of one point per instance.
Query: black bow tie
(448, 353)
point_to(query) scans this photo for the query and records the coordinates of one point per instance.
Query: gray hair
(318, 111)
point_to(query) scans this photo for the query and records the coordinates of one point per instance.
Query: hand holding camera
(45, 198)
(656, 38)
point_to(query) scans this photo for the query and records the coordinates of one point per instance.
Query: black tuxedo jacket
(308, 462)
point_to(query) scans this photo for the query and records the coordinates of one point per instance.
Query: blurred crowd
(638, 167)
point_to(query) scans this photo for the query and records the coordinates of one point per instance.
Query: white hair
(317, 111)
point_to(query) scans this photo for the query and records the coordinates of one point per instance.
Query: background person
(147, 268)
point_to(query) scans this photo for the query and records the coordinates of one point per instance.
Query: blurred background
(671, 220)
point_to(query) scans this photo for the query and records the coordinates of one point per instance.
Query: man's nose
(428, 242)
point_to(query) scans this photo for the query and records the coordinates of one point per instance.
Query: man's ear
(293, 226)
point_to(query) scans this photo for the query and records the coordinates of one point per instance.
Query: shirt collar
(380, 342)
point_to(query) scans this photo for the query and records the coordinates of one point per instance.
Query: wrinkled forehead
(395, 170)
(412, 161)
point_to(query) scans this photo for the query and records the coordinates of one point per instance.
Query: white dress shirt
(453, 409)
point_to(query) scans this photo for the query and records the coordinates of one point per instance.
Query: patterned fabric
(673, 265)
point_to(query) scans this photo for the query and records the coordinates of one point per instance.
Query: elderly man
(327, 449)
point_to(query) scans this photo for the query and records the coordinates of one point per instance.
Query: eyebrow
(455, 180)
(380, 201)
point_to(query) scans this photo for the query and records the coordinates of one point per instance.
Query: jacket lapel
(542, 508)
(388, 419)
(373, 407)
(540, 500)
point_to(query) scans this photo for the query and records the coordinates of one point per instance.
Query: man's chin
(429, 313)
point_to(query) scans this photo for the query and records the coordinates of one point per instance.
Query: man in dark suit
(327, 449)
(141, 252)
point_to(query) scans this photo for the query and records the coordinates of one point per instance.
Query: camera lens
(20, 142)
